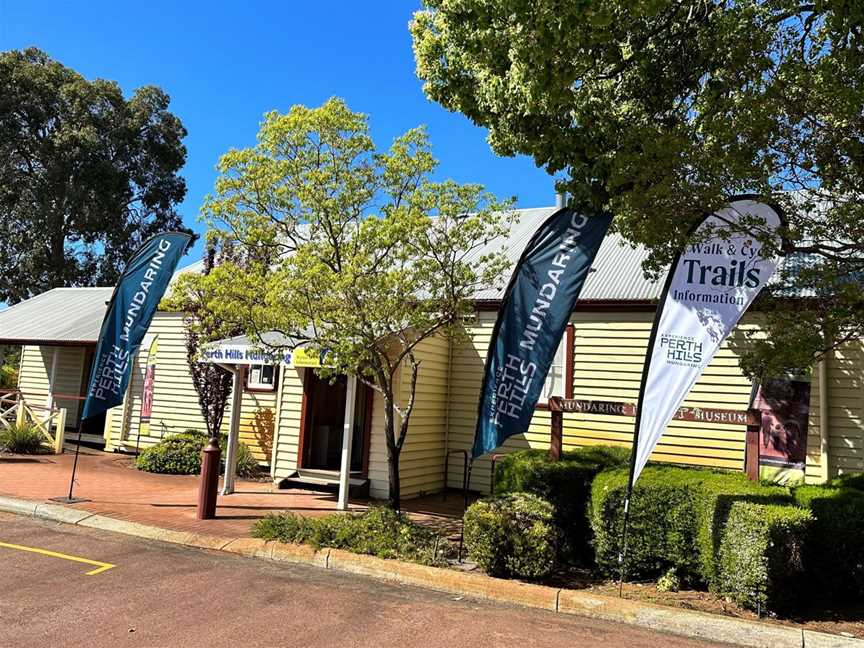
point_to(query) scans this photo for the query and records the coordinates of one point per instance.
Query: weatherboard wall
(609, 352)
(35, 371)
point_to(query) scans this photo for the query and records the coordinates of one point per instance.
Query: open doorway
(321, 447)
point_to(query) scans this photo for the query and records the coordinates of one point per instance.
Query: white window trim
(258, 385)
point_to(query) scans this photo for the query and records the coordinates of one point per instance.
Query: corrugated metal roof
(616, 274)
(59, 316)
(62, 315)
(74, 315)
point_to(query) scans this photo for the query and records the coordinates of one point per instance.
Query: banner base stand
(69, 500)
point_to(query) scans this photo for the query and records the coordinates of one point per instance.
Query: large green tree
(346, 248)
(659, 110)
(85, 175)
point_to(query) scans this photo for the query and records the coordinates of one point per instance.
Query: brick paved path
(118, 490)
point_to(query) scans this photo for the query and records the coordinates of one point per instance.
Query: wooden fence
(50, 421)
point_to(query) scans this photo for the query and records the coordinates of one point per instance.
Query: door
(322, 427)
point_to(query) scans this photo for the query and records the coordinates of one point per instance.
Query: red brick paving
(118, 490)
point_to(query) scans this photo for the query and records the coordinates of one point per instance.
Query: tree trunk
(394, 493)
(394, 496)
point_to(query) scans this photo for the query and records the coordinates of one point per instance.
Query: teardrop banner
(543, 290)
(127, 319)
(709, 287)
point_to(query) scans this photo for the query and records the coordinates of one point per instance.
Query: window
(261, 378)
(555, 380)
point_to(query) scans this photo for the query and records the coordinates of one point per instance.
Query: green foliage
(8, 376)
(834, 556)
(22, 439)
(512, 535)
(180, 454)
(679, 520)
(566, 484)
(760, 560)
(378, 532)
(849, 480)
(85, 175)
(659, 110)
(332, 242)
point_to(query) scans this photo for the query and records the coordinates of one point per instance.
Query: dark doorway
(323, 424)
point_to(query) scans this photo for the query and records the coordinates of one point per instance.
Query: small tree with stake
(349, 250)
(212, 383)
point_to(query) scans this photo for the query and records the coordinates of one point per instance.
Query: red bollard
(208, 487)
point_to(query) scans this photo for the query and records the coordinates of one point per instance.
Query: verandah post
(556, 441)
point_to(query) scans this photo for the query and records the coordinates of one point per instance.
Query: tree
(660, 110)
(355, 252)
(85, 175)
(212, 383)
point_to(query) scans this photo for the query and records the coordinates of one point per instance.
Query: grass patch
(379, 532)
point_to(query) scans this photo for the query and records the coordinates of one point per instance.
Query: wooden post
(61, 432)
(556, 441)
(751, 448)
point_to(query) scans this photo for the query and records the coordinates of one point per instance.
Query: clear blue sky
(225, 64)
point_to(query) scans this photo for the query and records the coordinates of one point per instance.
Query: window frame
(250, 386)
(569, 340)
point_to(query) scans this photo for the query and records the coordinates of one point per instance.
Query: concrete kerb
(685, 623)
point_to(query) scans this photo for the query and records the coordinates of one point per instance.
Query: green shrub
(180, 454)
(678, 521)
(8, 376)
(834, 556)
(22, 439)
(566, 484)
(378, 532)
(512, 535)
(760, 561)
(853, 480)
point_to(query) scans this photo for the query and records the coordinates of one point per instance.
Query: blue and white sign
(128, 317)
(536, 308)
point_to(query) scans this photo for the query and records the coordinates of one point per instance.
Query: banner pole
(649, 351)
(69, 499)
(466, 483)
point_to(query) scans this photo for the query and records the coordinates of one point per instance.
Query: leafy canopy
(659, 110)
(355, 251)
(85, 175)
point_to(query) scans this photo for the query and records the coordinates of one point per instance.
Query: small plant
(512, 535)
(180, 454)
(378, 532)
(669, 582)
(21, 439)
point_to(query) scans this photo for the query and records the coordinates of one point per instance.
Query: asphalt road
(150, 594)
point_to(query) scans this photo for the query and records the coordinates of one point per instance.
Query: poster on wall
(709, 287)
(785, 407)
(147, 390)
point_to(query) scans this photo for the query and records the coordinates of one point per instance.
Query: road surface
(67, 586)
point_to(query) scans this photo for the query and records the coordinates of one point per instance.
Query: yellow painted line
(100, 566)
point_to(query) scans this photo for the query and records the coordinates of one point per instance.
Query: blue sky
(225, 64)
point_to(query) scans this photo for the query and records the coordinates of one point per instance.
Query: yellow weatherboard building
(294, 422)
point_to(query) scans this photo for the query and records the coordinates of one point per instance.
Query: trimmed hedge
(180, 454)
(512, 535)
(688, 520)
(760, 560)
(378, 532)
(566, 484)
(834, 556)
